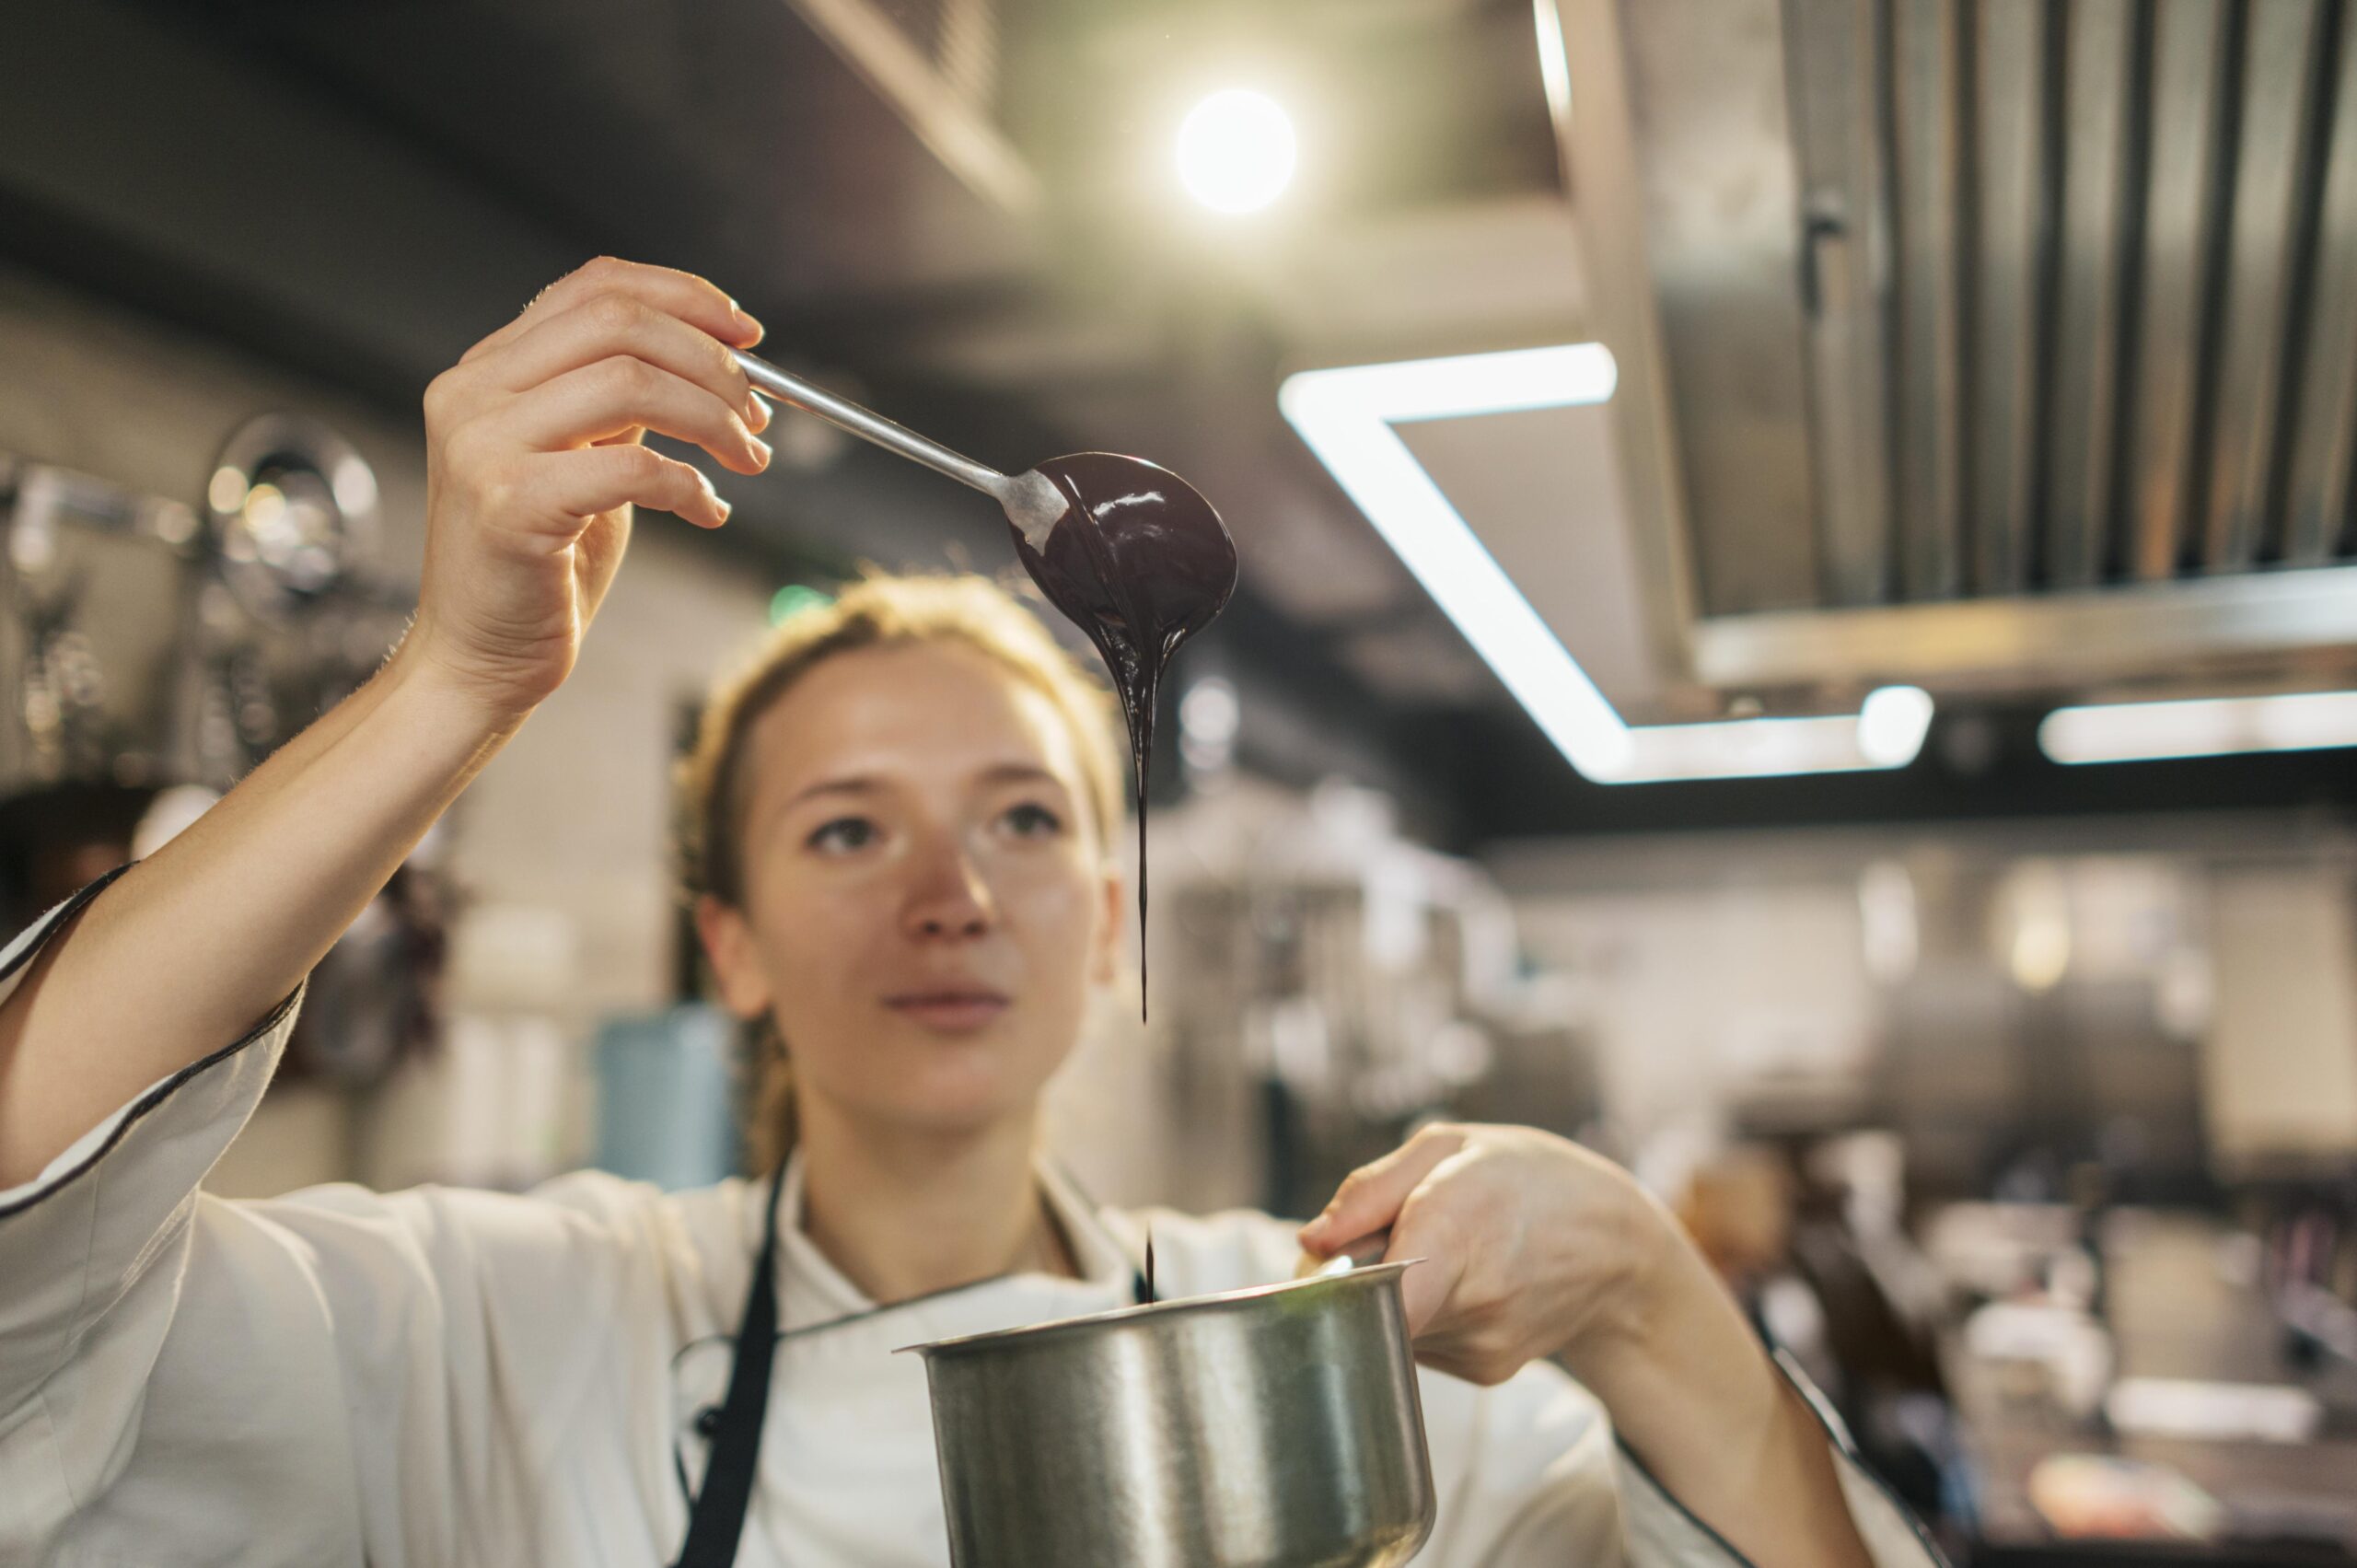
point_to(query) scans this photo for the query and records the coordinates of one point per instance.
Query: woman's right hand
(534, 457)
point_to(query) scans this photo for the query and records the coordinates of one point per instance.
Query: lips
(950, 1009)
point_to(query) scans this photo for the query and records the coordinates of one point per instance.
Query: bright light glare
(1346, 416)
(228, 491)
(2207, 727)
(1554, 61)
(1748, 749)
(1892, 723)
(354, 487)
(2035, 903)
(1235, 151)
(1464, 385)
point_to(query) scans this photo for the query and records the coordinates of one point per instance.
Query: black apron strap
(717, 1520)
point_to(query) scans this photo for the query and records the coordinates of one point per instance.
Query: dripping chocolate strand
(1140, 562)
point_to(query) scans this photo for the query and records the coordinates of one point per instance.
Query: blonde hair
(882, 609)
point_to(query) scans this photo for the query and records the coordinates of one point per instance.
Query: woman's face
(928, 902)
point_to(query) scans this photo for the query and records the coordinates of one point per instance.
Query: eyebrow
(1021, 772)
(863, 784)
(858, 784)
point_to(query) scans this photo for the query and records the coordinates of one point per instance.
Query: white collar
(813, 1290)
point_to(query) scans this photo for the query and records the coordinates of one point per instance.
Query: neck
(905, 1214)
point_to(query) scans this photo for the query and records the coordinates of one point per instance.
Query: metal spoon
(1031, 499)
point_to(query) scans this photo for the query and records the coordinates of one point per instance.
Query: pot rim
(1217, 1300)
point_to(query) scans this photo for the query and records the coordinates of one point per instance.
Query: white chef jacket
(447, 1377)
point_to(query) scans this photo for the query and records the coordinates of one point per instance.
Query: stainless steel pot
(1278, 1428)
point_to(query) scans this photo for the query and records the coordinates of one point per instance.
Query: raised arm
(535, 460)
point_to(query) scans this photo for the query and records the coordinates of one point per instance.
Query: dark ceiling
(361, 188)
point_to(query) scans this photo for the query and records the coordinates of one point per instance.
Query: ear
(736, 959)
(1113, 922)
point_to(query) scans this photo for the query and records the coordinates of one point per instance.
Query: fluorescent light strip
(1750, 748)
(1463, 386)
(1885, 732)
(1337, 412)
(2207, 726)
(1554, 62)
(1346, 414)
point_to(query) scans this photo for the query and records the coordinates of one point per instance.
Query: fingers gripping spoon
(1125, 548)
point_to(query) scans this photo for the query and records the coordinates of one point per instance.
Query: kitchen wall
(2195, 976)
(2282, 1082)
(87, 384)
(1702, 996)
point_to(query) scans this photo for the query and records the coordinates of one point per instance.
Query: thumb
(1371, 1196)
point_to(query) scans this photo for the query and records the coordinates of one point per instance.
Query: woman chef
(904, 814)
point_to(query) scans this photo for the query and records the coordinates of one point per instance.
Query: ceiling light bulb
(1235, 151)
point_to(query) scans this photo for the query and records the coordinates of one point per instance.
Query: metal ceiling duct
(1998, 343)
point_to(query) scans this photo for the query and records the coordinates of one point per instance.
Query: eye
(842, 836)
(1033, 821)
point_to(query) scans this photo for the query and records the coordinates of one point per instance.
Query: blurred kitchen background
(1799, 615)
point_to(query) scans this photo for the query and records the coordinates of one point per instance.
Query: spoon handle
(870, 427)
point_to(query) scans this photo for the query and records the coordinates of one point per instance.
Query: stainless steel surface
(1031, 501)
(1279, 1427)
(2010, 62)
(2083, 393)
(2188, 82)
(2075, 285)
(2257, 623)
(1927, 133)
(2262, 301)
(2317, 499)
(1829, 47)
(868, 425)
(1596, 137)
(1707, 83)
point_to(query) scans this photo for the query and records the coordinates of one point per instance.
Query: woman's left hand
(1531, 1246)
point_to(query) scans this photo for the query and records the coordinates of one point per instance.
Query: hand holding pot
(1534, 1248)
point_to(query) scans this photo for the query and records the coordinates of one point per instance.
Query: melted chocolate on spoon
(1141, 562)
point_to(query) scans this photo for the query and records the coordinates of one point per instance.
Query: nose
(948, 898)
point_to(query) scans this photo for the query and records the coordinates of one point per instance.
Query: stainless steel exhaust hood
(1994, 344)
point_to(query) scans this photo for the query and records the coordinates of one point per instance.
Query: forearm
(1695, 1398)
(187, 949)
(534, 463)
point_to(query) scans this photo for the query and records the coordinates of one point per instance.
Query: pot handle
(1368, 1248)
